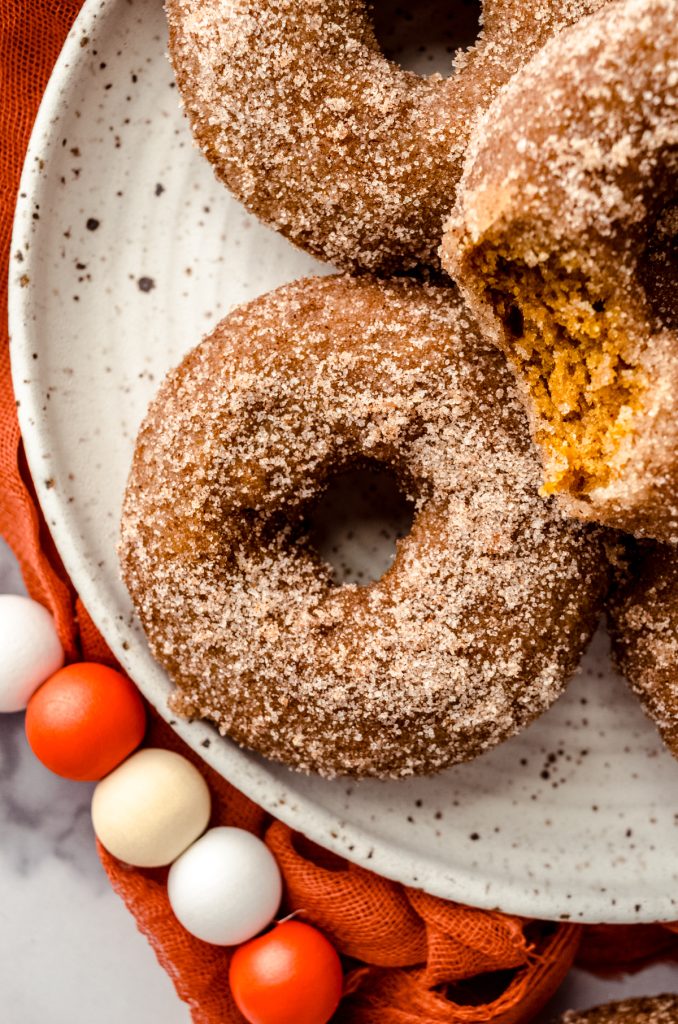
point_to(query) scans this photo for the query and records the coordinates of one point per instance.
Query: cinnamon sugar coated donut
(489, 602)
(564, 243)
(657, 1010)
(643, 621)
(317, 133)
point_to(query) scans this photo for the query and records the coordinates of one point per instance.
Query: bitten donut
(564, 243)
(643, 621)
(317, 133)
(491, 597)
(658, 1010)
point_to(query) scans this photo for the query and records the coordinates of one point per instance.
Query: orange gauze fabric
(31, 34)
(410, 958)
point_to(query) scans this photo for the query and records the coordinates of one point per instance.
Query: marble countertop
(69, 951)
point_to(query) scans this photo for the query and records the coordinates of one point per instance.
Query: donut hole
(569, 344)
(425, 35)
(356, 523)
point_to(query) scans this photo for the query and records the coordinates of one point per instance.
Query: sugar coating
(643, 620)
(657, 1010)
(566, 218)
(315, 131)
(490, 599)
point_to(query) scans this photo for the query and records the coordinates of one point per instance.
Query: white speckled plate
(125, 251)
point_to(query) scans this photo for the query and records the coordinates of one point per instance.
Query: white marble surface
(69, 951)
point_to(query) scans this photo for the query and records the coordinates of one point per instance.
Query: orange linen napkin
(410, 958)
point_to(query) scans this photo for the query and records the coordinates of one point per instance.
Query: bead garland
(151, 808)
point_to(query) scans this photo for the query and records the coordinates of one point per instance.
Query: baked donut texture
(657, 1010)
(317, 133)
(489, 602)
(563, 241)
(643, 621)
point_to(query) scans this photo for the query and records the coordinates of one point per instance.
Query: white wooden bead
(226, 887)
(30, 648)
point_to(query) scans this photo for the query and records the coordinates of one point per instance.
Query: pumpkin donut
(489, 602)
(643, 620)
(563, 240)
(305, 120)
(657, 1010)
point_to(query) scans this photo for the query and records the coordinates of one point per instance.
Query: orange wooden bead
(290, 975)
(84, 720)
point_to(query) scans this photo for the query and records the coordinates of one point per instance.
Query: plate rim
(253, 779)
